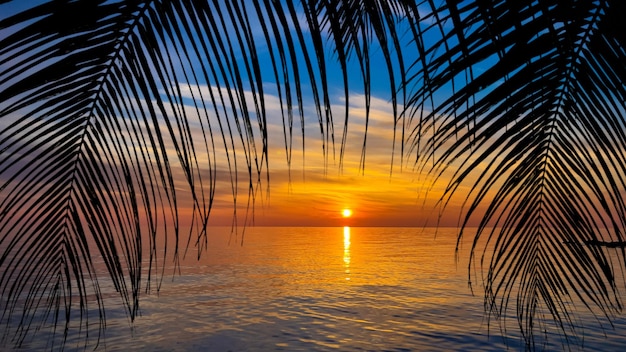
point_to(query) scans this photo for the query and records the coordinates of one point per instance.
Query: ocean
(322, 289)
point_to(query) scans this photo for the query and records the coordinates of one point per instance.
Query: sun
(346, 213)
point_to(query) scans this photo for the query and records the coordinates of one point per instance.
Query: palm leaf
(535, 128)
(114, 121)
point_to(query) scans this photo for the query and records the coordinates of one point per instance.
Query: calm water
(308, 289)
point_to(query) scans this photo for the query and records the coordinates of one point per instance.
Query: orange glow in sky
(326, 189)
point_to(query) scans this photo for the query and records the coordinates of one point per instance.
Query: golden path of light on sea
(346, 250)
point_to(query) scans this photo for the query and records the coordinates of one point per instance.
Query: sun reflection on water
(346, 250)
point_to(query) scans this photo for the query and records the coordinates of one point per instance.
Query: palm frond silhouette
(106, 121)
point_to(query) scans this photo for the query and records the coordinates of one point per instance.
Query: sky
(313, 189)
(311, 193)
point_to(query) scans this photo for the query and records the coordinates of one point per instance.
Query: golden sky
(311, 192)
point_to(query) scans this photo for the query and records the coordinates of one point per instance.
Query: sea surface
(323, 289)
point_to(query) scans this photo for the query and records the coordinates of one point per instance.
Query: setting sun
(346, 213)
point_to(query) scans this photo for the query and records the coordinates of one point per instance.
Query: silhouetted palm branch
(111, 112)
(535, 126)
(107, 119)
